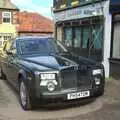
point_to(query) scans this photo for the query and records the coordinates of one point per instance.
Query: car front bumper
(61, 96)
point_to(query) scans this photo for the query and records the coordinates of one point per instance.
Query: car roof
(33, 37)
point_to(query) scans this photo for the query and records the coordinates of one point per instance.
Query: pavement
(106, 107)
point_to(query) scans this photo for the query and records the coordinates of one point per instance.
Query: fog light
(51, 86)
(97, 81)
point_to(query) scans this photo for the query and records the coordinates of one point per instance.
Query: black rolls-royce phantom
(43, 69)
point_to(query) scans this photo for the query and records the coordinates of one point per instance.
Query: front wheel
(100, 92)
(25, 100)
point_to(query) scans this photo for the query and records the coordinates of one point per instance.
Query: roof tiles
(34, 22)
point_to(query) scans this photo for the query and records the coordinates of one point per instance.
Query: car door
(12, 63)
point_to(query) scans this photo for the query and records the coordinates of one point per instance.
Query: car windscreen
(38, 46)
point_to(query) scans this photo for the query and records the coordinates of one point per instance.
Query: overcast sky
(41, 6)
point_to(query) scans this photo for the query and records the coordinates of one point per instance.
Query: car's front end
(69, 83)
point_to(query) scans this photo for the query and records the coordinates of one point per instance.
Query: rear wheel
(25, 100)
(2, 75)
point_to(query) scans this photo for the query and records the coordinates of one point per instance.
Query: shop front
(83, 36)
(86, 30)
(115, 41)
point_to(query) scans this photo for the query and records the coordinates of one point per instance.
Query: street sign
(80, 12)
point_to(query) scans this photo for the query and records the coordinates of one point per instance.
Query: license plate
(77, 95)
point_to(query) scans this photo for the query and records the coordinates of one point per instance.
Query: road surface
(106, 107)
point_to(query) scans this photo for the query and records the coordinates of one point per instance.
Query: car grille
(84, 78)
(74, 78)
(68, 79)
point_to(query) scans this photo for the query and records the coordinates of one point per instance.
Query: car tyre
(101, 92)
(25, 100)
(2, 75)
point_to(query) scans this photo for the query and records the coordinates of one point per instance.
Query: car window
(42, 46)
(36, 46)
(13, 45)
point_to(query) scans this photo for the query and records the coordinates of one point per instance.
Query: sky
(41, 6)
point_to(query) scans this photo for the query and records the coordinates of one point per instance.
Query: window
(77, 37)
(86, 37)
(97, 33)
(63, 3)
(60, 3)
(6, 17)
(6, 38)
(69, 3)
(57, 4)
(59, 33)
(68, 36)
(116, 41)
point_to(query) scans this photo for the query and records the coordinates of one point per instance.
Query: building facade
(115, 39)
(8, 21)
(85, 28)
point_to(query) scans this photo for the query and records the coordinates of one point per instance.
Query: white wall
(107, 38)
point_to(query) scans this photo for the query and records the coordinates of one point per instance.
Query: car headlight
(50, 86)
(47, 76)
(97, 71)
(97, 81)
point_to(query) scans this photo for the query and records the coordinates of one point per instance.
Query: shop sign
(79, 12)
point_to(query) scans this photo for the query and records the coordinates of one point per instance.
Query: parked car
(41, 68)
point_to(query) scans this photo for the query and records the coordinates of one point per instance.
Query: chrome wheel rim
(23, 95)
